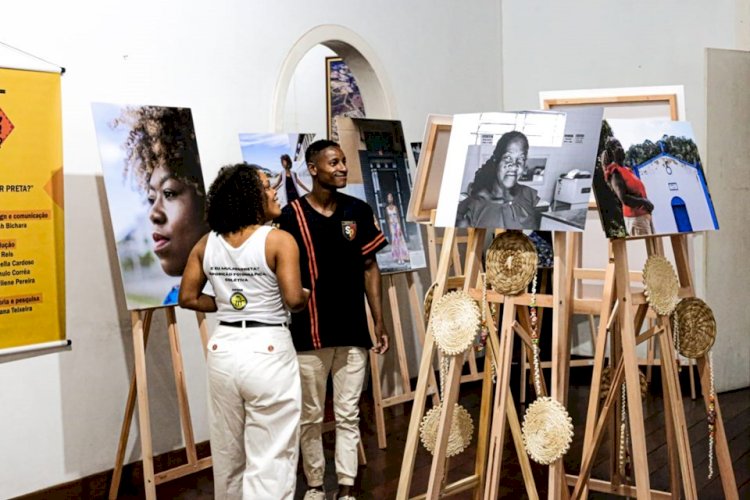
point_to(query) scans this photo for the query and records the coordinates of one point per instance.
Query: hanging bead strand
(711, 418)
(535, 339)
(623, 428)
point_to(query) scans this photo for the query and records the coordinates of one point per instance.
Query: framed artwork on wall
(342, 95)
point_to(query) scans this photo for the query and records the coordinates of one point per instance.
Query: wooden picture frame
(430, 168)
(615, 100)
(343, 97)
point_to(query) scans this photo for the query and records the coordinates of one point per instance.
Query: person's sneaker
(347, 497)
(315, 494)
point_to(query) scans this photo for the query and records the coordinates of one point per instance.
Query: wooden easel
(486, 476)
(456, 279)
(407, 394)
(560, 302)
(415, 305)
(618, 316)
(141, 320)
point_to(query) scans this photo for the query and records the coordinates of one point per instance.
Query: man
(338, 240)
(636, 207)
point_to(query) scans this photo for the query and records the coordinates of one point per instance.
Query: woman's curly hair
(235, 199)
(161, 136)
(486, 175)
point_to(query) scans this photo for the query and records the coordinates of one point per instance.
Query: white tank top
(245, 287)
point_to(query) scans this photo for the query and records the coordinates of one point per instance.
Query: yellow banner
(32, 266)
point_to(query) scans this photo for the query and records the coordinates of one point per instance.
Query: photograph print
(282, 156)
(342, 95)
(156, 195)
(650, 179)
(524, 170)
(383, 159)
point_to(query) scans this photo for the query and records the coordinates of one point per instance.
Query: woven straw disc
(428, 302)
(547, 430)
(696, 327)
(455, 321)
(459, 438)
(607, 381)
(511, 263)
(661, 284)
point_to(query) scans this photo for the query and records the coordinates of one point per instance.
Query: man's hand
(384, 341)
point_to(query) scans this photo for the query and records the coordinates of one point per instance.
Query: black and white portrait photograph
(519, 170)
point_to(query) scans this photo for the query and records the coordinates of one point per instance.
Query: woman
(253, 375)
(399, 250)
(291, 180)
(496, 200)
(162, 154)
(636, 207)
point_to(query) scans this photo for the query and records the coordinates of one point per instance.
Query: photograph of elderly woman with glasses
(495, 198)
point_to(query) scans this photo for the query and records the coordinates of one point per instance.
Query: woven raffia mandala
(607, 381)
(455, 321)
(696, 327)
(547, 430)
(511, 263)
(428, 302)
(662, 286)
(462, 427)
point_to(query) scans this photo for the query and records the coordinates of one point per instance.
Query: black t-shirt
(332, 256)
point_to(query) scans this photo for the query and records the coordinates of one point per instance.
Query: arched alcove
(358, 55)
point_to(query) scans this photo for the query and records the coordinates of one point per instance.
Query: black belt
(248, 324)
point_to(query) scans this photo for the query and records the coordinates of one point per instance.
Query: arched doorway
(681, 216)
(304, 106)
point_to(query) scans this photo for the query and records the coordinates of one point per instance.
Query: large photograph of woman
(156, 196)
(527, 170)
(494, 195)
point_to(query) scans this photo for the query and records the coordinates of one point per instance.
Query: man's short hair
(615, 151)
(316, 147)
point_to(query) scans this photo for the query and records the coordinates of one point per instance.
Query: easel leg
(503, 357)
(672, 455)
(485, 410)
(179, 377)
(606, 317)
(144, 420)
(562, 291)
(723, 458)
(377, 396)
(416, 307)
(669, 371)
(627, 336)
(128, 418)
(425, 366)
(450, 398)
(398, 334)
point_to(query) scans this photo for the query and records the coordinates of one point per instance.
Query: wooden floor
(379, 479)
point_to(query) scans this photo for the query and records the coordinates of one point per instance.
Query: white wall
(60, 414)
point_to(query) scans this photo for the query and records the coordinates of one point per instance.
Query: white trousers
(639, 226)
(254, 410)
(348, 366)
